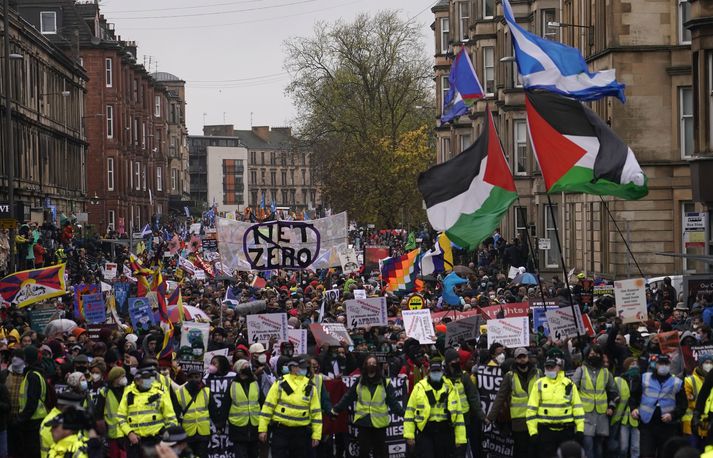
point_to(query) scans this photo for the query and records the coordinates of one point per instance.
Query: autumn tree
(361, 89)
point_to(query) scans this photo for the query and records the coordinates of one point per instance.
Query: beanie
(116, 373)
(98, 362)
(31, 354)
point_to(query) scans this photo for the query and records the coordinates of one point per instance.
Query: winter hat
(240, 365)
(31, 354)
(98, 362)
(116, 373)
(73, 379)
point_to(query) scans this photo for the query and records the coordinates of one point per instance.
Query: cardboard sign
(463, 330)
(365, 313)
(110, 270)
(261, 328)
(94, 308)
(298, 337)
(510, 332)
(562, 323)
(140, 313)
(331, 334)
(359, 294)
(80, 291)
(415, 302)
(701, 350)
(630, 297)
(348, 259)
(539, 317)
(332, 295)
(418, 325)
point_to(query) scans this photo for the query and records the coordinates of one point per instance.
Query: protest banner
(695, 285)
(263, 327)
(509, 310)
(331, 334)
(463, 330)
(79, 291)
(415, 302)
(348, 259)
(701, 350)
(283, 244)
(601, 290)
(395, 442)
(199, 274)
(219, 445)
(372, 256)
(563, 324)
(41, 315)
(186, 265)
(495, 443)
(140, 314)
(630, 297)
(110, 269)
(332, 295)
(437, 317)
(298, 338)
(121, 294)
(418, 325)
(510, 332)
(359, 294)
(94, 331)
(539, 316)
(94, 308)
(365, 313)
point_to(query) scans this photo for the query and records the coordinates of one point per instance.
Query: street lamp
(507, 59)
(95, 200)
(555, 24)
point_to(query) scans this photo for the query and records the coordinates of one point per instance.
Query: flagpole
(564, 267)
(523, 214)
(628, 248)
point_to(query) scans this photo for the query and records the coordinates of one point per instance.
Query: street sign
(544, 244)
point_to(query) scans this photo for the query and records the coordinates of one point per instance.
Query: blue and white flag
(146, 231)
(555, 67)
(453, 106)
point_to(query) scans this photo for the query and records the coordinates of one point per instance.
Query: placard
(194, 342)
(298, 338)
(263, 327)
(94, 308)
(41, 315)
(539, 317)
(348, 259)
(110, 269)
(199, 274)
(562, 323)
(495, 442)
(365, 313)
(701, 350)
(600, 290)
(510, 332)
(509, 310)
(330, 334)
(415, 302)
(219, 445)
(140, 313)
(630, 297)
(463, 330)
(544, 244)
(359, 294)
(418, 325)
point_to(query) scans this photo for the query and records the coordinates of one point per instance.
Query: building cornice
(637, 48)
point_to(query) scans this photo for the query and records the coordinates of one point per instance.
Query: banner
(80, 291)
(495, 443)
(121, 294)
(510, 332)
(463, 330)
(563, 324)
(365, 313)
(510, 310)
(94, 308)
(331, 334)
(261, 328)
(701, 350)
(219, 445)
(272, 245)
(110, 269)
(193, 345)
(140, 314)
(418, 324)
(360, 294)
(395, 443)
(348, 260)
(41, 315)
(453, 315)
(600, 290)
(630, 297)
(186, 265)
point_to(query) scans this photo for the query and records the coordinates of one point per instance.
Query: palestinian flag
(468, 195)
(578, 152)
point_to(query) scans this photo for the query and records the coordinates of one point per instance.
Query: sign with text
(331, 334)
(348, 259)
(630, 297)
(94, 308)
(510, 332)
(514, 309)
(359, 294)
(140, 313)
(495, 443)
(418, 325)
(263, 327)
(298, 337)
(365, 313)
(563, 323)
(539, 317)
(110, 269)
(463, 330)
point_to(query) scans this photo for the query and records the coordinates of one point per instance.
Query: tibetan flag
(166, 325)
(468, 195)
(30, 286)
(464, 78)
(578, 152)
(439, 258)
(176, 298)
(137, 266)
(555, 67)
(400, 274)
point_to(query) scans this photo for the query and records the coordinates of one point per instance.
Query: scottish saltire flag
(230, 297)
(146, 231)
(555, 67)
(30, 286)
(453, 106)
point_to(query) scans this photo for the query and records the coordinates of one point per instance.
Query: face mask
(595, 360)
(262, 359)
(663, 370)
(436, 376)
(18, 365)
(132, 370)
(707, 367)
(146, 383)
(500, 358)
(123, 381)
(96, 377)
(285, 370)
(551, 374)
(83, 385)
(302, 372)
(212, 369)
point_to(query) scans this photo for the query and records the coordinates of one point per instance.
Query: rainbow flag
(401, 274)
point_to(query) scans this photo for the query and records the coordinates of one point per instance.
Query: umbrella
(525, 279)
(463, 270)
(61, 325)
(190, 312)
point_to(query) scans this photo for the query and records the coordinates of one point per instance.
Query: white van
(657, 282)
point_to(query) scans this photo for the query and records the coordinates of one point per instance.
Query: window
(253, 157)
(253, 197)
(137, 175)
(131, 175)
(159, 179)
(685, 106)
(110, 173)
(273, 178)
(304, 176)
(445, 149)
(488, 9)
(464, 142)
(284, 196)
(262, 177)
(253, 177)
(489, 69)
(112, 220)
(143, 135)
(157, 106)
(520, 147)
(546, 16)
(284, 177)
(108, 77)
(445, 87)
(233, 182)
(143, 178)
(135, 131)
(520, 222)
(48, 22)
(445, 34)
(684, 15)
(110, 121)
(174, 179)
(134, 90)
(464, 14)
(552, 256)
(273, 195)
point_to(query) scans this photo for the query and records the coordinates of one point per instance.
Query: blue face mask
(302, 372)
(285, 370)
(83, 385)
(436, 376)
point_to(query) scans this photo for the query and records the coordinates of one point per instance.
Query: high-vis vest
(195, 417)
(623, 412)
(145, 413)
(653, 394)
(111, 406)
(74, 446)
(460, 389)
(554, 402)
(594, 397)
(318, 381)
(41, 410)
(244, 409)
(292, 402)
(374, 406)
(46, 439)
(427, 404)
(692, 384)
(519, 397)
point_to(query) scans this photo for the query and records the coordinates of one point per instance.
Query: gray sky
(215, 41)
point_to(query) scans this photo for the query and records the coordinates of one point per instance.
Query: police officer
(692, 386)
(70, 436)
(192, 401)
(375, 401)
(33, 403)
(659, 406)
(64, 400)
(467, 391)
(244, 415)
(554, 410)
(145, 410)
(433, 421)
(107, 406)
(624, 433)
(293, 407)
(515, 389)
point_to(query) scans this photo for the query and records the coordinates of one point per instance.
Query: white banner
(465, 329)
(261, 328)
(186, 265)
(365, 313)
(510, 332)
(200, 274)
(272, 245)
(418, 325)
(563, 324)
(348, 259)
(630, 297)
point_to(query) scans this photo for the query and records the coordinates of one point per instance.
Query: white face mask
(96, 377)
(262, 359)
(133, 370)
(123, 381)
(663, 370)
(707, 366)
(551, 374)
(500, 358)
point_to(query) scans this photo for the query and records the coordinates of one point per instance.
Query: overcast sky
(230, 51)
